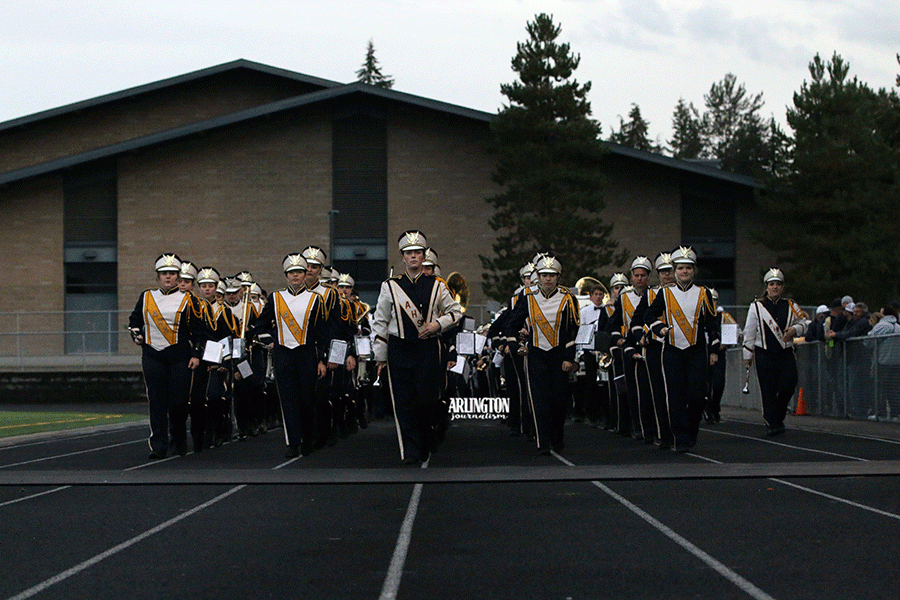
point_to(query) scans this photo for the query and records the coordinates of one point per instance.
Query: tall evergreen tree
(733, 130)
(548, 164)
(634, 133)
(687, 132)
(836, 223)
(371, 73)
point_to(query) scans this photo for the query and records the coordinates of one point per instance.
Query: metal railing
(854, 378)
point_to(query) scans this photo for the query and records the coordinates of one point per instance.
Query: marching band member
(163, 324)
(329, 408)
(295, 318)
(412, 310)
(627, 328)
(665, 270)
(249, 392)
(452, 382)
(619, 416)
(772, 324)
(520, 421)
(590, 398)
(685, 315)
(217, 410)
(553, 312)
(200, 376)
(717, 372)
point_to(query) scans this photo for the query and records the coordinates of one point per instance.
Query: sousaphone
(459, 289)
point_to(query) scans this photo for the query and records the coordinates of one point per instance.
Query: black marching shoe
(777, 430)
(292, 451)
(157, 454)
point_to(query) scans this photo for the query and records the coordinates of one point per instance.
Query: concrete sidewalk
(860, 427)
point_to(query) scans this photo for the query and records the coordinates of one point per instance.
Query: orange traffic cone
(801, 404)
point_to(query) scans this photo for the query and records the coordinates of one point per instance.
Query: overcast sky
(649, 52)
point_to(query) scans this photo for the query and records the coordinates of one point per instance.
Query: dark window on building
(359, 188)
(90, 225)
(708, 225)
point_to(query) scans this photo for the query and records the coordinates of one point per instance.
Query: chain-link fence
(857, 378)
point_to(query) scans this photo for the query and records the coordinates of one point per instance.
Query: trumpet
(604, 363)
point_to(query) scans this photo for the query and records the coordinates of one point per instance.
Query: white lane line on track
(803, 488)
(5, 444)
(38, 495)
(860, 436)
(718, 567)
(131, 542)
(783, 445)
(398, 560)
(88, 451)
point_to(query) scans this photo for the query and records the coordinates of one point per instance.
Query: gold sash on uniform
(627, 309)
(287, 316)
(689, 330)
(155, 315)
(538, 319)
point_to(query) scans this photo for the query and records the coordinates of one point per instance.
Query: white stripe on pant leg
(394, 407)
(537, 435)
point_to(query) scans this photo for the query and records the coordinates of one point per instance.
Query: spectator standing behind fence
(772, 324)
(834, 360)
(859, 390)
(887, 354)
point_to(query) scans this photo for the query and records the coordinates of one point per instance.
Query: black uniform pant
(686, 385)
(548, 387)
(249, 394)
(218, 403)
(658, 386)
(199, 384)
(525, 418)
(415, 378)
(640, 398)
(717, 387)
(295, 375)
(168, 381)
(510, 375)
(618, 391)
(777, 374)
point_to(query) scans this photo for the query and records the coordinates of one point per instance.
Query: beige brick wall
(438, 178)
(753, 259)
(643, 202)
(140, 115)
(238, 198)
(31, 229)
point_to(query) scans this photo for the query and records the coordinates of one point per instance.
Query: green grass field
(22, 423)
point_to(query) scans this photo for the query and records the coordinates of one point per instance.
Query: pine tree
(835, 224)
(549, 155)
(733, 130)
(371, 73)
(687, 138)
(634, 133)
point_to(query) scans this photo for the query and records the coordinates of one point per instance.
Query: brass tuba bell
(459, 289)
(583, 287)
